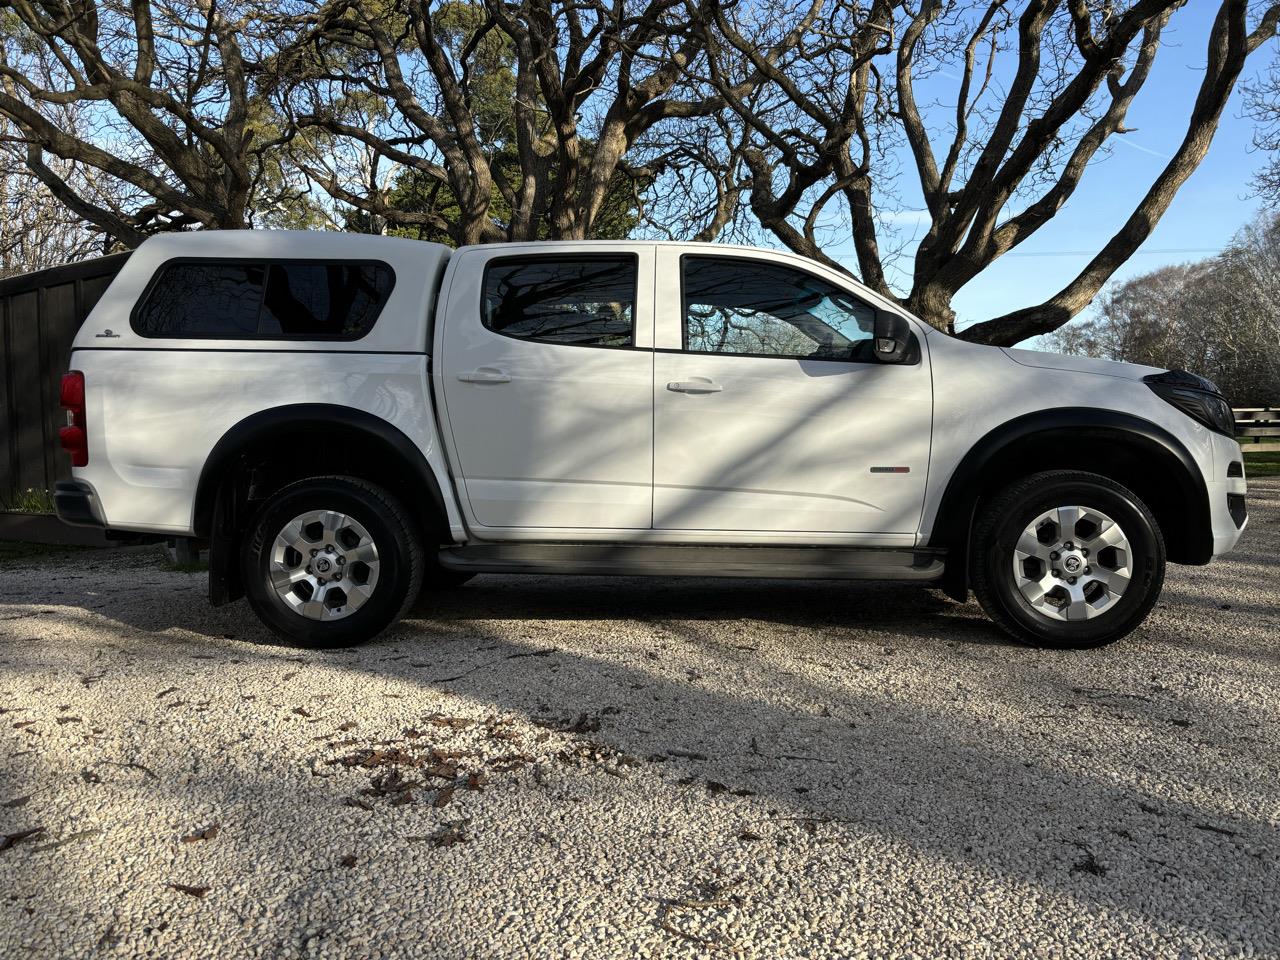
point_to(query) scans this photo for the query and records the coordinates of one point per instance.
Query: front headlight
(1195, 396)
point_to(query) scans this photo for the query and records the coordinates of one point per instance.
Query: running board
(664, 560)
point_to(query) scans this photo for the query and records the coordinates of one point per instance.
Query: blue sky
(1209, 209)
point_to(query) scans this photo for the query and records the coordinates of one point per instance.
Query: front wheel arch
(1131, 451)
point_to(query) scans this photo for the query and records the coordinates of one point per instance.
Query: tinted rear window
(203, 300)
(585, 301)
(294, 299)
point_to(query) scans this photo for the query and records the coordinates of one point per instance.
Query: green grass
(1262, 464)
(29, 501)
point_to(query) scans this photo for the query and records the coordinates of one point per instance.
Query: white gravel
(616, 768)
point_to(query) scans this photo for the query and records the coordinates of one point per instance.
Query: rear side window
(583, 301)
(203, 300)
(323, 299)
(287, 299)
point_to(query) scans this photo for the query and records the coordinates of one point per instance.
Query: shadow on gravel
(1016, 785)
(827, 606)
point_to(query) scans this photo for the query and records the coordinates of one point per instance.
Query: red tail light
(73, 438)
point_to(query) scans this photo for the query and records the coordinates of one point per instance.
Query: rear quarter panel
(156, 407)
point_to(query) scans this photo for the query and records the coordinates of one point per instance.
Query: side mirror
(894, 341)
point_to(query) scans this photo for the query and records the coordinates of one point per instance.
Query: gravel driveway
(615, 768)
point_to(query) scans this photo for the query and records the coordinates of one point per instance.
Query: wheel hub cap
(324, 565)
(1072, 563)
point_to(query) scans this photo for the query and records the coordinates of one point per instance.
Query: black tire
(1000, 523)
(388, 523)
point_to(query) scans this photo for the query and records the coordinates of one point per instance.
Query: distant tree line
(471, 121)
(1218, 317)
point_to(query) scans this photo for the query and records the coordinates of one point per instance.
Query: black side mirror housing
(894, 340)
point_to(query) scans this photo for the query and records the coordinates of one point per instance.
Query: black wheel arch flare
(215, 499)
(1059, 439)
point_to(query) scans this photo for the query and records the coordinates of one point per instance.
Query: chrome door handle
(485, 375)
(696, 385)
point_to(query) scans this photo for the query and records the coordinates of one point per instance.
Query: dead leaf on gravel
(301, 711)
(348, 861)
(13, 839)
(512, 761)
(71, 838)
(197, 892)
(1210, 828)
(208, 833)
(583, 723)
(357, 802)
(443, 796)
(68, 720)
(349, 725)
(451, 833)
(456, 723)
(16, 802)
(687, 754)
(749, 835)
(476, 780)
(90, 775)
(165, 692)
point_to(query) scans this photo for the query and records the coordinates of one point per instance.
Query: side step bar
(665, 560)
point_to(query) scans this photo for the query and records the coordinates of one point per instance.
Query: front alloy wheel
(1072, 563)
(1066, 559)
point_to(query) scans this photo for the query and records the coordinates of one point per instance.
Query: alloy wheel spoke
(1029, 545)
(1068, 517)
(1109, 536)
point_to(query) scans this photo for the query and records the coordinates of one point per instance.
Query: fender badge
(890, 469)
(107, 333)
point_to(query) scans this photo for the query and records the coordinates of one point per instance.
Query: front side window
(286, 299)
(584, 301)
(755, 308)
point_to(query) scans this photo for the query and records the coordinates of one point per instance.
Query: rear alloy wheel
(331, 561)
(1066, 559)
(324, 565)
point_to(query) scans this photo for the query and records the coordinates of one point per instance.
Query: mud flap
(225, 583)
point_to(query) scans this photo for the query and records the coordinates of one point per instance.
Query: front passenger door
(771, 413)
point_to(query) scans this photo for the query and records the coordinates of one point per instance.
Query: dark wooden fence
(39, 316)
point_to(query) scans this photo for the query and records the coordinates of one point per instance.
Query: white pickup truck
(349, 420)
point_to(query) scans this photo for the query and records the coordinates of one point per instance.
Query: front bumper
(76, 504)
(1227, 508)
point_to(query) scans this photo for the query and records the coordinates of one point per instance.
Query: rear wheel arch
(1139, 454)
(273, 448)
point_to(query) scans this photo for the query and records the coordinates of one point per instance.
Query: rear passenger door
(546, 369)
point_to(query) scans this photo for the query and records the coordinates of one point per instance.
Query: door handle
(485, 375)
(696, 385)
